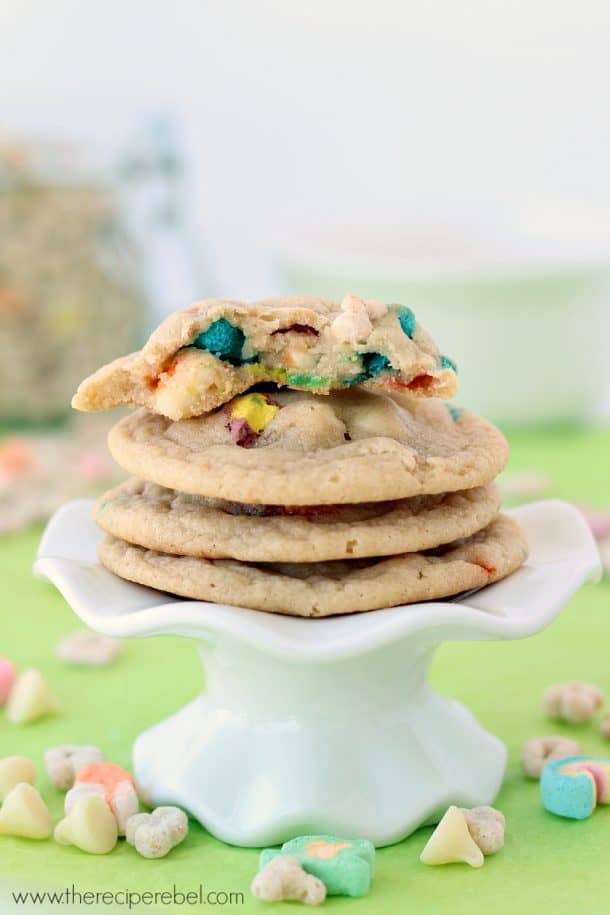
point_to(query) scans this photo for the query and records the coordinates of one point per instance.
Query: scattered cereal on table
(573, 787)
(25, 814)
(30, 698)
(90, 826)
(538, 751)
(13, 771)
(88, 648)
(7, 678)
(283, 878)
(451, 842)
(574, 702)
(111, 782)
(345, 866)
(155, 834)
(486, 826)
(63, 763)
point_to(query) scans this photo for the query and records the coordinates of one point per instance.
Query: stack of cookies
(298, 456)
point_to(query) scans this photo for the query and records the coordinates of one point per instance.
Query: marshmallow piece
(486, 826)
(155, 834)
(30, 698)
(284, 878)
(451, 842)
(574, 702)
(538, 751)
(64, 762)
(7, 678)
(89, 649)
(13, 771)
(90, 826)
(25, 814)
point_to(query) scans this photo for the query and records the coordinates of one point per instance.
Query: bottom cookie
(327, 588)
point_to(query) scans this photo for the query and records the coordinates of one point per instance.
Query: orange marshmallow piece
(107, 774)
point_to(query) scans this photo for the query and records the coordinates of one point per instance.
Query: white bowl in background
(528, 325)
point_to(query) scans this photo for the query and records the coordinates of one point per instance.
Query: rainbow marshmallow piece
(574, 786)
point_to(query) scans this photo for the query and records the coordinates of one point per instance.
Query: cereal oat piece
(204, 355)
(7, 678)
(573, 787)
(13, 771)
(283, 878)
(538, 751)
(574, 702)
(88, 648)
(25, 814)
(30, 698)
(90, 826)
(486, 826)
(155, 834)
(64, 762)
(451, 842)
(345, 866)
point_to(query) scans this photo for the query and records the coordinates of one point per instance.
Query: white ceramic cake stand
(321, 725)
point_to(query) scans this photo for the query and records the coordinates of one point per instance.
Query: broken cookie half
(204, 355)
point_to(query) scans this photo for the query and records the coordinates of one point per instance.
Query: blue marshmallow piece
(570, 796)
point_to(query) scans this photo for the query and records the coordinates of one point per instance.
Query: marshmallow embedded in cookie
(203, 356)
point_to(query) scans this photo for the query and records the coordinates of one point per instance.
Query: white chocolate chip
(155, 834)
(486, 826)
(451, 842)
(63, 762)
(574, 702)
(89, 649)
(30, 698)
(123, 803)
(538, 751)
(283, 878)
(90, 826)
(353, 324)
(13, 771)
(25, 814)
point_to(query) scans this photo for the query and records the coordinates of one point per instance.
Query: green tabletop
(548, 865)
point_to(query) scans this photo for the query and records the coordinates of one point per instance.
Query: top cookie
(204, 355)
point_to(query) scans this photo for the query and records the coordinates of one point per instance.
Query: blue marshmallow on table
(574, 794)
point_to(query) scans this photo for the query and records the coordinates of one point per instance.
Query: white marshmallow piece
(13, 771)
(64, 762)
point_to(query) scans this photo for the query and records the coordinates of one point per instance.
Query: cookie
(352, 446)
(203, 356)
(329, 588)
(171, 522)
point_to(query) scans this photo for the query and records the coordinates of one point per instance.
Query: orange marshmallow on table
(111, 782)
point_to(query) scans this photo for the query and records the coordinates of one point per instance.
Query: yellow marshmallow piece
(451, 842)
(25, 814)
(255, 410)
(89, 826)
(13, 771)
(30, 698)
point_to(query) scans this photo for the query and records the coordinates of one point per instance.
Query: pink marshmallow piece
(7, 678)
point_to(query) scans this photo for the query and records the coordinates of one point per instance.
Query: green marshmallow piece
(345, 866)
(307, 381)
(406, 319)
(223, 340)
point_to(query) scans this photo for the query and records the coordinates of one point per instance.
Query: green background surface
(548, 865)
